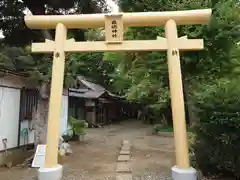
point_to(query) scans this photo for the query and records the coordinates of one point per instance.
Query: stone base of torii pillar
(50, 173)
(184, 174)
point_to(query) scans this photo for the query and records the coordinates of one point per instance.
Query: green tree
(149, 70)
(39, 65)
(217, 136)
(12, 13)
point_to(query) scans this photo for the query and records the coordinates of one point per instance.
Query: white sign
(39, 157)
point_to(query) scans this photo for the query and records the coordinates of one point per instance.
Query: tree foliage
(209, 78)
(15, 49)
(144, 76)
(141, 77)
(12, 13)
(218, 137)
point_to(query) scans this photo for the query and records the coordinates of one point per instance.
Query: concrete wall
(12, 81)
(10, 88)
(9, 116)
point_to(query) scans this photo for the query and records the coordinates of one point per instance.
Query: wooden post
(55, 104)
(176, 90)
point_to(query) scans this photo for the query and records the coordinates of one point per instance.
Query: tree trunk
(40, 117)
(190, 111)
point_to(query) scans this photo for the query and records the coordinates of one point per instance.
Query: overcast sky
(1, 35)
(113, 5)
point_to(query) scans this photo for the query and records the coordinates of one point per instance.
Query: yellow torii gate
(114, 31)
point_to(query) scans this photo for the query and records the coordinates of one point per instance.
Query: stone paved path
(123, 169)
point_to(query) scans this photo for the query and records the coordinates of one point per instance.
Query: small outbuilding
(93, 103)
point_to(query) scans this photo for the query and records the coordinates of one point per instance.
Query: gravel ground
(153, 175)
(158, 175)
(152, 156)
(84, 175)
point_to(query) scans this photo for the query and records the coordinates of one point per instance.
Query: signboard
(39, 157)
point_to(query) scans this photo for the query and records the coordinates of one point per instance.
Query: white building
(18, 101)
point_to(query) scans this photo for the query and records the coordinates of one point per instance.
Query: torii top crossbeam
(129, 19)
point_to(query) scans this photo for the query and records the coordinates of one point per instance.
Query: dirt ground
(95, 158)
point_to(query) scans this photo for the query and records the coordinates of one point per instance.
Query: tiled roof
(91, 85)
(88, 94)
(95, 91)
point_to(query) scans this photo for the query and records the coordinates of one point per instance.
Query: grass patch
(191, 129)
(163, 129)
(168, 129)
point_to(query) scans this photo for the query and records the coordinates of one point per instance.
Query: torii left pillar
(51, 166)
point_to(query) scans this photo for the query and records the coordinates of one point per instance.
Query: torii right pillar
(182, 170)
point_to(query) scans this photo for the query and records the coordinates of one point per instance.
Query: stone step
(125, 152)
(123, 158)
(123, 167)
(125, 142)
(124, 176)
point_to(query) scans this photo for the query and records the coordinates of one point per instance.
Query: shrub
(162, 128)
(191, 143)
(217, 144)
(77, 126)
